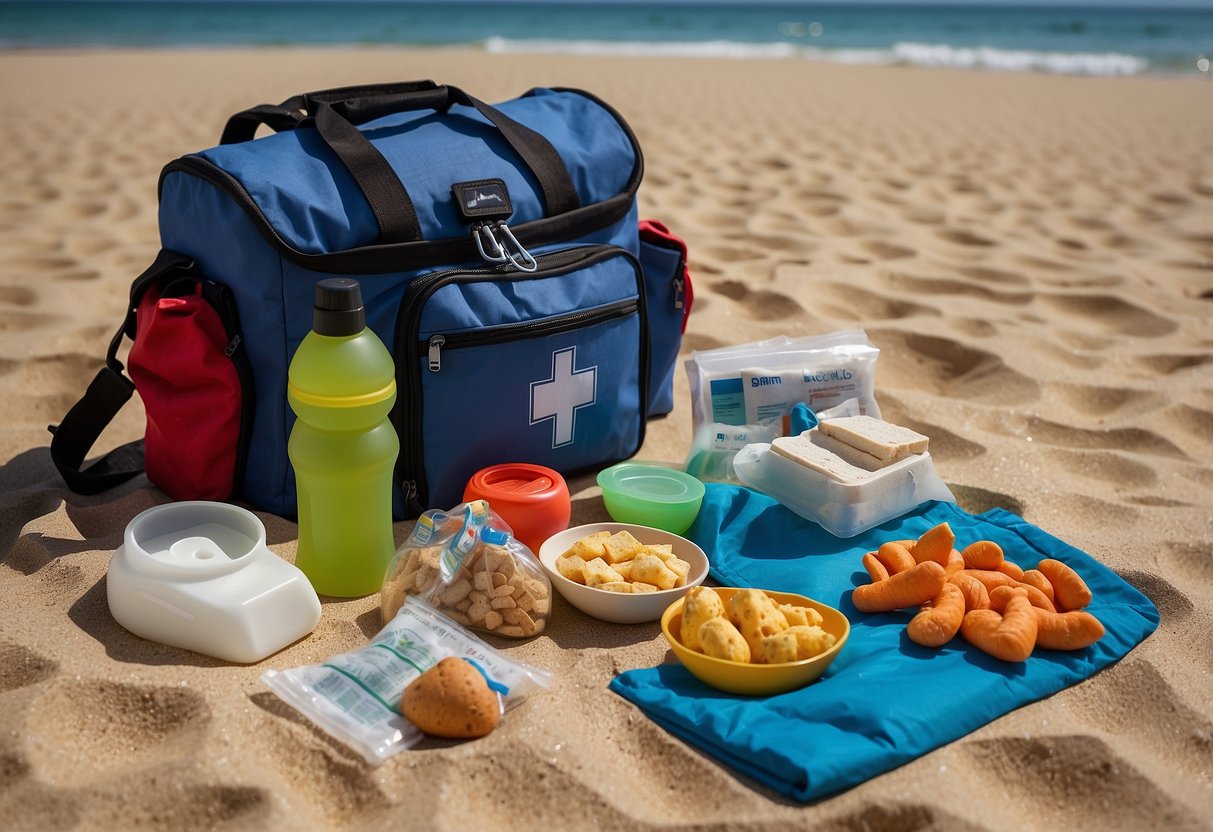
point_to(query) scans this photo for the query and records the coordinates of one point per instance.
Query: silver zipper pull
(410, 495)
(679, 289)
(436, 342)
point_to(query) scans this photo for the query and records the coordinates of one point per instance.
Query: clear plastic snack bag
(743, 394)
(467, 564)
(355, 697)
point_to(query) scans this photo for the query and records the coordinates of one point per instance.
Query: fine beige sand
(1033, 255)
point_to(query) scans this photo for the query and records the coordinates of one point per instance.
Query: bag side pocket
(667, 281)
(195, 380)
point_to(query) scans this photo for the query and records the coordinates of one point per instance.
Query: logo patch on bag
(560, 397)
(482, 199)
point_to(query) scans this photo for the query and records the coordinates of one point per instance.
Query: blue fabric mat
(885, 700)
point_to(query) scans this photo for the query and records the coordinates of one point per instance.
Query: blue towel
(884, 701)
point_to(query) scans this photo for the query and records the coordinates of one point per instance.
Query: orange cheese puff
(895, 557)
(935, 544)
(1009, 637)
(1070, 592)
(993, 580)
(915, 586)
(1036, 578)
(999, 596)
(984, 554)
(876, 570)
(956, 563)
(1071, 630)
(1037, 598)
(939, 619)
(977, 597)
(1011, 569)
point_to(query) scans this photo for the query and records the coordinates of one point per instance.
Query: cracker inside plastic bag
(466, 563)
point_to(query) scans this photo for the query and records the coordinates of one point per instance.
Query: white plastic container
(198, 575)
(844, 509)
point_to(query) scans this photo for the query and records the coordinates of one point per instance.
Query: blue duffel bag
(500, 261)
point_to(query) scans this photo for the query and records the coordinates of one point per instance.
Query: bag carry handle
(337, 112)
(242, 127)
(110, 389)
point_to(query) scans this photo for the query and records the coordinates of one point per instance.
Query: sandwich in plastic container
(864, 473)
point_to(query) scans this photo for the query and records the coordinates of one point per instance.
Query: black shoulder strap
(110, 389)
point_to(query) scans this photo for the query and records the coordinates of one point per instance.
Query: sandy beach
(1033, 255)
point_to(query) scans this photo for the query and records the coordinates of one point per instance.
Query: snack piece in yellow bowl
(777, 649)
(702, 605)
(757, 616)
(718, 637)
(798, 616)
(784, 659)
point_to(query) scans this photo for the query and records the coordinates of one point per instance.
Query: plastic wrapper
(843, 509)
(742, 395)
(467, 564)
(355, 697)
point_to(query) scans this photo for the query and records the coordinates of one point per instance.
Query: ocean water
(1099, 41)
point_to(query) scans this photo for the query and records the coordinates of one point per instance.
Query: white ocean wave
(906, 53)
(632, 49)
(1016, 60)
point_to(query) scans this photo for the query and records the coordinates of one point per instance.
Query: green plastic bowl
(651, 495)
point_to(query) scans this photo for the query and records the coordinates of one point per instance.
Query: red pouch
(196, 382)
(183, 365)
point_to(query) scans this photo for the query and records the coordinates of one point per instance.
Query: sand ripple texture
(1033, 255)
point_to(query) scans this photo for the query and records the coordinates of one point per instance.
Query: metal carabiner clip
(522, 259)
(483, 232)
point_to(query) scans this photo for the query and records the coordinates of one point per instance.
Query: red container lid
(533, 499)
(517, 482)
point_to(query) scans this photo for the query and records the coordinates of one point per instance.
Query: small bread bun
(451, 699)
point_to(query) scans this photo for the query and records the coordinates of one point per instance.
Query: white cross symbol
(559, 397)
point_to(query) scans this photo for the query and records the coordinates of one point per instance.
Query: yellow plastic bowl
(756, 679)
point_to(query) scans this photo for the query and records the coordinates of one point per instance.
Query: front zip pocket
(549, 367)
(512, 332)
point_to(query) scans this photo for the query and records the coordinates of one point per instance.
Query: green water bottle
(341, 385)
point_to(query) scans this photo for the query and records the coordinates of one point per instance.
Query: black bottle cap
(338, 310)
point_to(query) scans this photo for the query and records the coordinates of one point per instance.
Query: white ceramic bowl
(619, 607)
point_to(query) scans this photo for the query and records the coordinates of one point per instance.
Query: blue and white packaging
(743, 394)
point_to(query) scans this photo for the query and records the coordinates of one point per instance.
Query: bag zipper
(399, 257)
(408, 409)
(225, 304)
(525, 329)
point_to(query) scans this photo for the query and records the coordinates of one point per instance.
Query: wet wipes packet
(743, 394)
(355, 696)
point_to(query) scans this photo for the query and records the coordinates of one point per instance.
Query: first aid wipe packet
(355, 696)
(743, 394)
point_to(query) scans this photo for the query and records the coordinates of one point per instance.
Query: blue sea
(1080, 40)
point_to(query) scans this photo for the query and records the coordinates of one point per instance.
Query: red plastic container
(533, 499)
